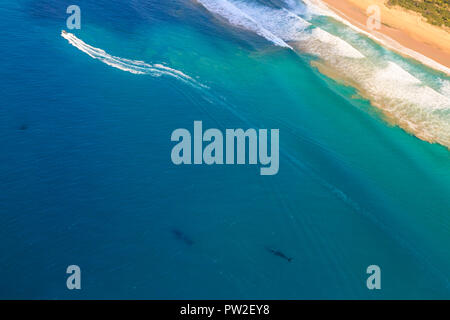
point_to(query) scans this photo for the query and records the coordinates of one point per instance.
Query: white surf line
(322, 8)
(238, 18)
(445, 88)
(278, 26)
(132, 66)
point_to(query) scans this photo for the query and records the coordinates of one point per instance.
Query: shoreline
(406, 32)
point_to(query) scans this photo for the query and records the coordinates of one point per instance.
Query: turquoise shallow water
(86, 176)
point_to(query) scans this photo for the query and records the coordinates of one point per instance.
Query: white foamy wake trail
(406, 100)
(132, 66)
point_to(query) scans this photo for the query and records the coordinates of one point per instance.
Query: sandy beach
(400, 29)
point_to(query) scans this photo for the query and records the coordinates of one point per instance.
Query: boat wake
(132, 66)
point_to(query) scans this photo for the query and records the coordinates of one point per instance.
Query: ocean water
(86, 177)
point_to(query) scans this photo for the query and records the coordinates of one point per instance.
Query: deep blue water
(86, 176)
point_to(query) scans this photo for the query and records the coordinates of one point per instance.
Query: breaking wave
(279, 26)
(234, 15)
(406, 100)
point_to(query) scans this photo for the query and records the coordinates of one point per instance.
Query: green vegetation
(436, 12)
